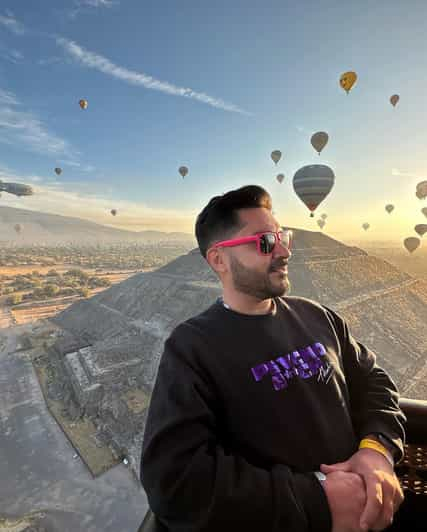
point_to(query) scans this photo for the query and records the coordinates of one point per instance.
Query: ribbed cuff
(316, 506)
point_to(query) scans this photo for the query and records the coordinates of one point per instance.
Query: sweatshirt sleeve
(374, 398)
(194, 484)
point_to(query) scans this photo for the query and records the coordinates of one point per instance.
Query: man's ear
(217, 260)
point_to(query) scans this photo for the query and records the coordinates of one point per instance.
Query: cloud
(102, 64)
(97, 3)
(397, 172)
(27, 131)
(10, 54)
(10, 22)
(84, 5)
(83, 200)
(48, 61)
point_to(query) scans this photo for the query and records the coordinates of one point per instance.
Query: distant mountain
(53, 229)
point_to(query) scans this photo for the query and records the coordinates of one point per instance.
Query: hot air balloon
(347, 80)
(312, 184)
(366, 226)
(421, 229)
(280, 177)
(411, 243)
(319, 140)
(394, 99)
(424, 211)
(324, 216)
(276, 155)
(389, 208)
(18, 228)
(421, 192)
(321, 223)
(113, 212)
(58, 171)
(183, 170)
(83, 104)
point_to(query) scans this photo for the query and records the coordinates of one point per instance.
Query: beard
(261, 285)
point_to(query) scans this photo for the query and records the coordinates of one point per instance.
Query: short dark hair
(219, 220)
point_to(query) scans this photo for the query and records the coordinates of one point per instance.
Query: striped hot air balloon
(312, 184)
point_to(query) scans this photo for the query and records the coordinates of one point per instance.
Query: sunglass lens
(267, 242)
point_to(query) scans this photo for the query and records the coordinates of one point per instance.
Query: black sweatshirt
(246, 407)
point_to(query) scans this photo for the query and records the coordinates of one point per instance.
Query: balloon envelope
(324, 216)
(280, 177)
(347, 80)
(422, 190)
(366, 226)
(113, 212)
(321, 223)
(421, 229)
(276, 155)
(58, 171)
(424, 211)
(394, 99)
(313, 183)
(83, 104)
(319, 140)
(411, 243)
(183, 170)
(389, 208)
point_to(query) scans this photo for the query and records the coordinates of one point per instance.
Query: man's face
(250, 272)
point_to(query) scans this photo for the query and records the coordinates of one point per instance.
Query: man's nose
(281, 251)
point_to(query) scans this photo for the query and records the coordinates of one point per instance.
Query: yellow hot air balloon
(319, 140)
(394, 99)
(280, 177)
(276, 155)
(347, 80)
(411, 243)
(83, 104)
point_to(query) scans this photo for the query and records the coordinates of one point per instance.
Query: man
(262, 401)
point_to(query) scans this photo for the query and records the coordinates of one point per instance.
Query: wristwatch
(320, 476)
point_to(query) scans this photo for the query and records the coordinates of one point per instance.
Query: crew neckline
(223, 305)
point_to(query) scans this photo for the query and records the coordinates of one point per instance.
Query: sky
(215, 86)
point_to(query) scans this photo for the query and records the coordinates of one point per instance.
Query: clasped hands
(363, 492)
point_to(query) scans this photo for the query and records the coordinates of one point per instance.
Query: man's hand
(346, 496)
(383, 490)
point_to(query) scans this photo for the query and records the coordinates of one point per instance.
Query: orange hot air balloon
(83, 104)
(347, 80)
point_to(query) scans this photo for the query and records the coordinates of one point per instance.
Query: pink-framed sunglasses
(265, 241)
